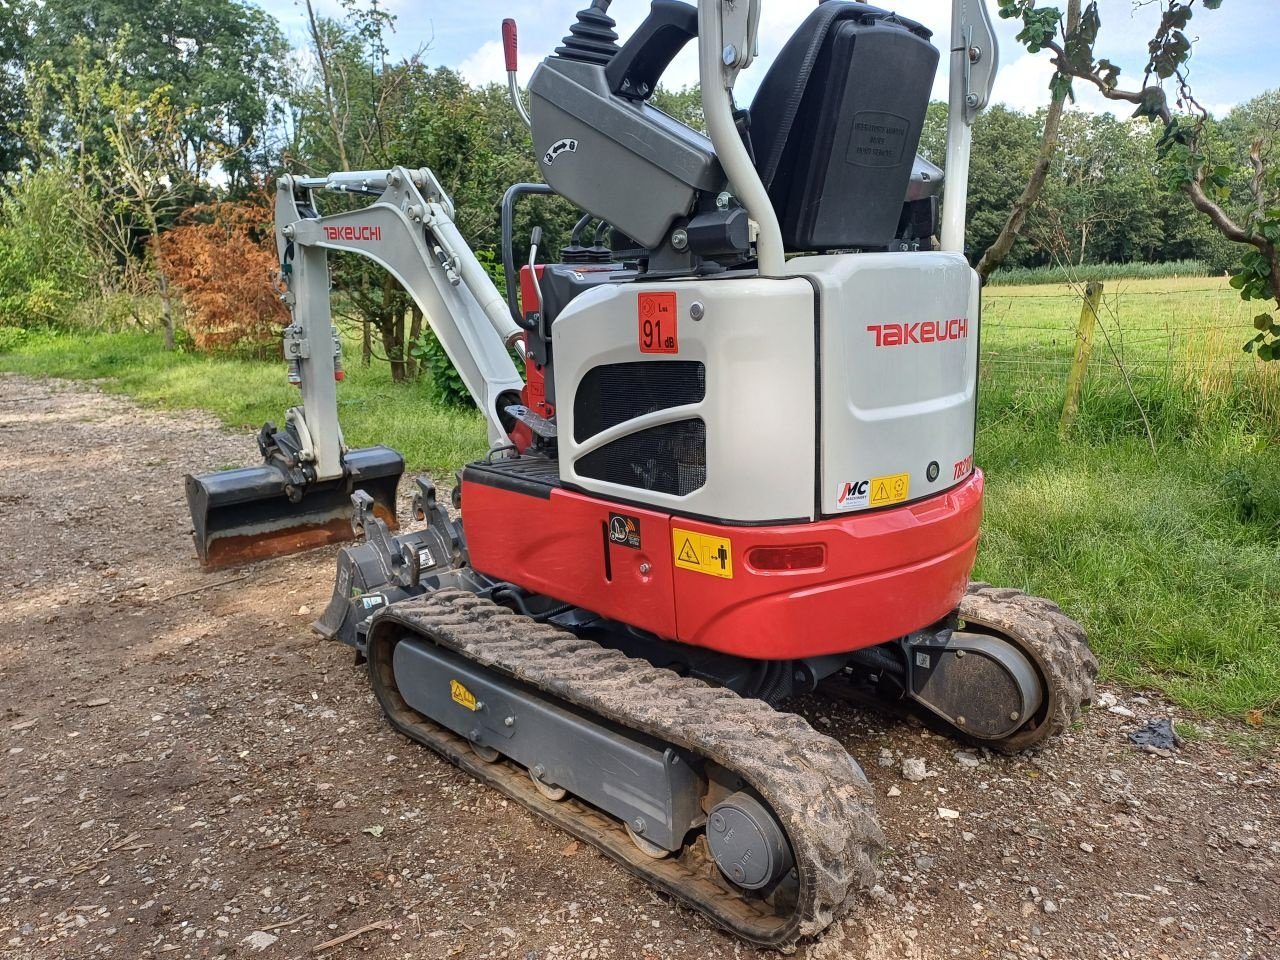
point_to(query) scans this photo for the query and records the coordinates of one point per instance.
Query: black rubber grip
(635, 71)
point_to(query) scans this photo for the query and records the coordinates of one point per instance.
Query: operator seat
(836, 124)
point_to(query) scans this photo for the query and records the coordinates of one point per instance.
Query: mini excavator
(737, 469)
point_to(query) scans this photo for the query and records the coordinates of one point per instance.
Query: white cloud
(488, 65)
(1023, 84)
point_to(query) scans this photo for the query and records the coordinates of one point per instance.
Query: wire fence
(1173, 346)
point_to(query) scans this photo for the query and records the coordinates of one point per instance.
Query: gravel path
(187, 772)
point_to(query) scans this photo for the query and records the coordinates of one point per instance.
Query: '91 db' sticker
(701, 553)
(659, 330)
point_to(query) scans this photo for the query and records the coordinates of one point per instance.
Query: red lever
(509, 44)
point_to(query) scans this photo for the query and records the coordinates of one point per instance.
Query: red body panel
(535, 390)
(559, 547)
(886, 573)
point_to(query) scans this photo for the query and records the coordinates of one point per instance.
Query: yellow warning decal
(462, 695)
(702, 553)
(887, 490)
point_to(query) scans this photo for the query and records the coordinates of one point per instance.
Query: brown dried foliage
(222, 259)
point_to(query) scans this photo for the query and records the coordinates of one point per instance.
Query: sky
(1234, 56)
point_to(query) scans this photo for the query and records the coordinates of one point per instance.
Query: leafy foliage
(14, 15)
(218, 61)
(447, 387)
(223, 259)
(47, 266)
(1186, 137)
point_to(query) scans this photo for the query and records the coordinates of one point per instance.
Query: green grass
(1171, 558)
(247, 393)
(1099, 271)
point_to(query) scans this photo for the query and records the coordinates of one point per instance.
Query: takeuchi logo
(930, 331)
(352, 233)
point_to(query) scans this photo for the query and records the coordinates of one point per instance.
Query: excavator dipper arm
(300, 497)
(408, 231)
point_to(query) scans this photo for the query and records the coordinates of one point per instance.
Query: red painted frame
(886, 574)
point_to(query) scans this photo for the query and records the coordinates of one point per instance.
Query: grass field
(1171, 558)
(1156, 523)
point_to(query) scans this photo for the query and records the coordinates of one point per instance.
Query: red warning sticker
(659, 329)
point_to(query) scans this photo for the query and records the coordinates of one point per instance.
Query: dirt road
(187, 772)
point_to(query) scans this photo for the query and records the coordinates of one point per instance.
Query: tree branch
(1195, 187)
(995, 254)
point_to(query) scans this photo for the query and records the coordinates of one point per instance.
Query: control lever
(635, 71)
(510, 48)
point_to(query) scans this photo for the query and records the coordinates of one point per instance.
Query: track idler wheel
(1033, 674)
(1056, 644)
(747, 843)
(1014, 672)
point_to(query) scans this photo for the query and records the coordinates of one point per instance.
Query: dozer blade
(241, 516)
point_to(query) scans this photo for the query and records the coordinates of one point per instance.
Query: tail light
(811, 556)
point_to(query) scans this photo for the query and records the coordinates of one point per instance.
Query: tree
(13, 41)
(222, 258)
(219, 62)
(999, 249)
(1004, 157)
(684, 105)
(1103, 202)
(148, 145)
(129, 154)
(49, 264)
(360, 112)
(1204, 175)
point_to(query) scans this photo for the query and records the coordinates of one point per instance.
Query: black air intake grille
(668, 459)
(611, 395)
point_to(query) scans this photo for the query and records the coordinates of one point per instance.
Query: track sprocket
(1056, 644)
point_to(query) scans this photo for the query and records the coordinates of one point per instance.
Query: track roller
(648, 848)
(553, 793)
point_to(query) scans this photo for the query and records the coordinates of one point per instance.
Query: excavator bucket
(241, 516)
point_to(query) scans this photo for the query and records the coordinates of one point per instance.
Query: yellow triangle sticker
(890, 490)
(702, 553)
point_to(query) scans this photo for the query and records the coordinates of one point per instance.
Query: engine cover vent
(670, 459)
(611, 395)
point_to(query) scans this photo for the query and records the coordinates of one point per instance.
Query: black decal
(624, 530)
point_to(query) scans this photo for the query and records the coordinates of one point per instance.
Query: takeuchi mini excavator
(737, 467)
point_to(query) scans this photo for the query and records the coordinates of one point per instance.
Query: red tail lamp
(812, 556)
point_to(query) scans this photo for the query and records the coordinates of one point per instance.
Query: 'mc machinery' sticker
(876, 492)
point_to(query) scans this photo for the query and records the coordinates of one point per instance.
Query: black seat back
(836, 124)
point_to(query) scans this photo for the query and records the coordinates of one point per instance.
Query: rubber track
(1057, 644)
(814, 787)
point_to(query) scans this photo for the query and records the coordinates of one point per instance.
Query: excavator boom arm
(409, 231)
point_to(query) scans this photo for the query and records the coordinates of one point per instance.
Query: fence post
(1080, 364)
